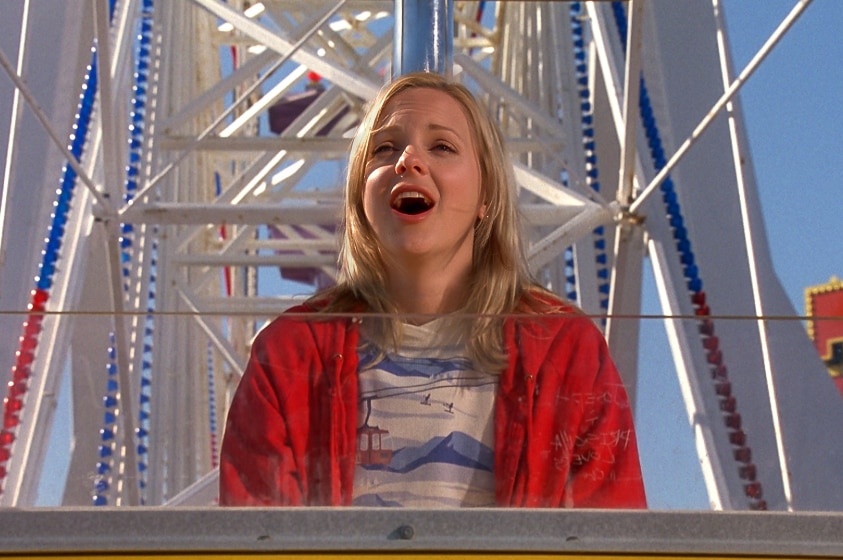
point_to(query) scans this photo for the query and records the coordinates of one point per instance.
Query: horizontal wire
(315, 314)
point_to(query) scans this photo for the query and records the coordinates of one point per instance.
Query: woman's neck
(428, 290)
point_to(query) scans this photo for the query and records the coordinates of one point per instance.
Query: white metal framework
(159, 261)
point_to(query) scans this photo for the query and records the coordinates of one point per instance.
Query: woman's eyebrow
(435, 126)
(397, 128)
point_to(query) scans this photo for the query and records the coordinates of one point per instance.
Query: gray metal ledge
(348, 530)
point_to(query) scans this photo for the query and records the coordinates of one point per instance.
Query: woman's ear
(481, 212)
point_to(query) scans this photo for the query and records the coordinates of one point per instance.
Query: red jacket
(563, 429)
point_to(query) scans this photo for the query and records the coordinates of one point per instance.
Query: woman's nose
(410, 160)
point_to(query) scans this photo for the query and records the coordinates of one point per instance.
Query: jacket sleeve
(605, 471)
(565, 436)
(259, 461)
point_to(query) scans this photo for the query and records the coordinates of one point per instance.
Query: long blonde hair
(499, 283)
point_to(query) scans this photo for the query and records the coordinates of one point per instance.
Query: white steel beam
(202, 213)
(622, 329)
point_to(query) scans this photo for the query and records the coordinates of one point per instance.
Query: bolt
(405, 532)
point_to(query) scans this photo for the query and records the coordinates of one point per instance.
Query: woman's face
(422, 192)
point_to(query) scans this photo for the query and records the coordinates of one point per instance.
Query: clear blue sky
(793, 107)
(793, 111)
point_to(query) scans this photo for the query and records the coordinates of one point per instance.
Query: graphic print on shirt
(425, 434)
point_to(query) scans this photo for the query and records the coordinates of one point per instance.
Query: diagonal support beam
(331, 71)
(45, 122)
(727, 96)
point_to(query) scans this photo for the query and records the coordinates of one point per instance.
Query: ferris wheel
(205, 156)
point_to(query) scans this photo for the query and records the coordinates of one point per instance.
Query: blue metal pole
(424, 37)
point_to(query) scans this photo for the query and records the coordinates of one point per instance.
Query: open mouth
(412, 203)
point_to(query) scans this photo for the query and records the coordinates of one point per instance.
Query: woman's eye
(382, 148)
(444, 148)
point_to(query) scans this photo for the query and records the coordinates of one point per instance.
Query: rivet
(338, 356)
(405, 532)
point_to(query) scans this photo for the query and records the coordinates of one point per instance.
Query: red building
(824, 307)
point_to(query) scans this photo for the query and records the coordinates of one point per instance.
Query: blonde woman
(436, 373)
